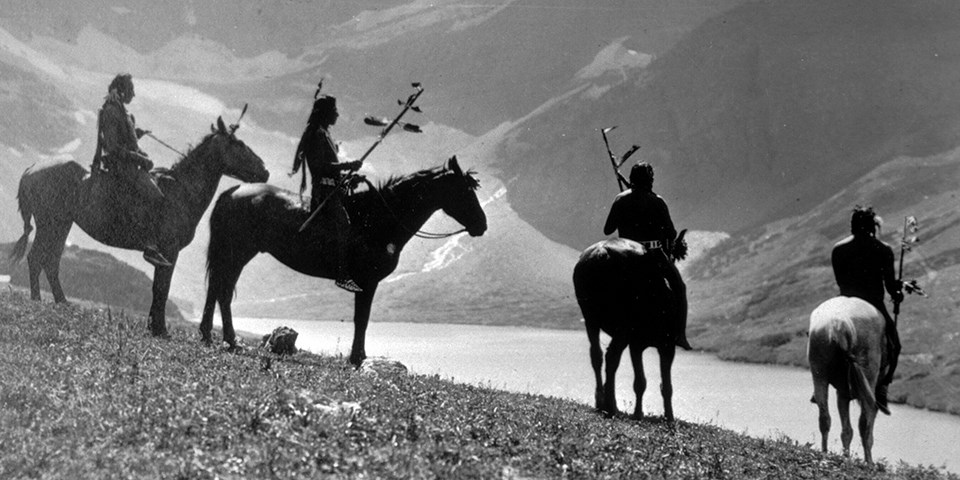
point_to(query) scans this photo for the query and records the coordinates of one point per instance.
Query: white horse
(845, 349)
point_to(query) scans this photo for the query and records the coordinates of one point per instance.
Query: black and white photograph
(508, 239)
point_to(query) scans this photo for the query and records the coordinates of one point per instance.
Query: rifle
(408, 105)
(617, 163)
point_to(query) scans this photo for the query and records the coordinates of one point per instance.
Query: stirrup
(349, 285)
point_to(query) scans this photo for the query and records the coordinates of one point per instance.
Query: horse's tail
(857, 383)
(25, 205)
(220, 249)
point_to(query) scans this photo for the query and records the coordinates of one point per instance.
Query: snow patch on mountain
(614, 58)
(70, 147)
(450, 252)
(377, 27)
(10, 45)
(186, 58)
(480, 18)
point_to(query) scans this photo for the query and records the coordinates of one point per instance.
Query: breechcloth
(336, 218)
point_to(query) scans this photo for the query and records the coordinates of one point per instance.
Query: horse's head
(459, 198)
(239, 161)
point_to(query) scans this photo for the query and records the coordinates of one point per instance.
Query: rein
(416, 233)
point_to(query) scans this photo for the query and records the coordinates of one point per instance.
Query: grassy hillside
(752, 294)
(84, 395)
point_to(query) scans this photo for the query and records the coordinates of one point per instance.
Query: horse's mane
(178, 165)
(415, 178)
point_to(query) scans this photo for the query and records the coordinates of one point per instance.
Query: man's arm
(329, 158)
(117, 130)
(611, 224)
(894, 287)
(668, 229)
(110, 116)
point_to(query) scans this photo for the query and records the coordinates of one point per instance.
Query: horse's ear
(220, 125)
(452, 164)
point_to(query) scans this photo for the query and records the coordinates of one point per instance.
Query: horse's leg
(596, 360)
(846, 430)
(667, 354)
(222, 285)
(362, 303)
(35, 266)
(821, 392)
(226, 320)
(55, 238)
(639, 379)
(614, 352)
(162, 277)
(868, 414)
(206, 322)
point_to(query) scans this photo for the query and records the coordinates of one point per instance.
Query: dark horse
(59, 194)
(250, 219)
(621, 292)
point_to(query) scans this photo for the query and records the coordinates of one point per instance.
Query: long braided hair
(322, 104)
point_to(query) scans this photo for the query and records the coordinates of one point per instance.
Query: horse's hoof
(357, 360)
(608, 413)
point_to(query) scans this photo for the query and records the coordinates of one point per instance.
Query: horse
(621, 292)
(58, 194)
(254, 218)
(845, 349)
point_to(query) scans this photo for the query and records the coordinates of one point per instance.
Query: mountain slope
(752, 294)
(90, 275)
(485, 63)
(759, 113)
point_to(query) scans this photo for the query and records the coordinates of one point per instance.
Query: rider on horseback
(641, 215)
(318, 154)
(118, 151)
(863, 267)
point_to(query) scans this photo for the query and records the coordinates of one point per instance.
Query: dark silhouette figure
(250, 219)
(845, 349)
(118, 152)
(318, 153)
(864, 266)
(622, 292)
(641, 215)
(58, 194)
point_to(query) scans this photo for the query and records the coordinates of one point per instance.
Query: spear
(408, 105)
(910, 225)
(617, 163)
